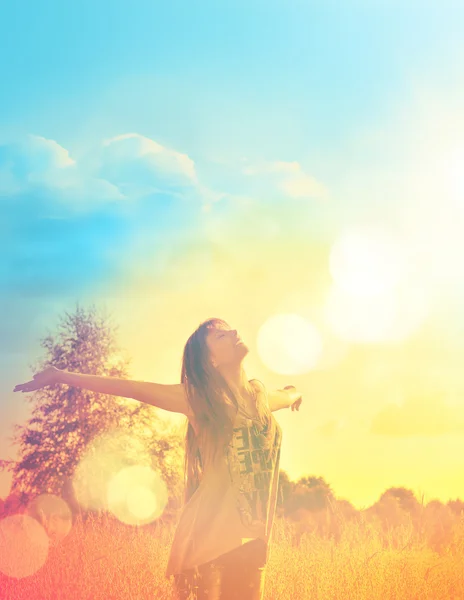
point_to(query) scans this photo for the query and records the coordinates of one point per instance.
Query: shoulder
(258, 384)
(275, 399)
(261, 388)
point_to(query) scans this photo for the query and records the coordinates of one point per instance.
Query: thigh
(243, 572)
(185, 584)
(235, 575)
(200, 583)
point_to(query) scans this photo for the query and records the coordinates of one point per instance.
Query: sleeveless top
(236, 499)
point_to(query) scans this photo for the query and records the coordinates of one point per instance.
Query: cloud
(289, 178)
(123, 168)
(66, 226)
(427, 415)
(130, 166)
(58, 200)
(140, 165)
(42, 165)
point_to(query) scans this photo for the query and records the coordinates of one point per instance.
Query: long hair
(212, 401)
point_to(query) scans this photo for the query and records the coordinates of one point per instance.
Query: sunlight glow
(334, 349)
(374, 296)
(366, 261)
(390, 317)
(360, 319)
(289, 344)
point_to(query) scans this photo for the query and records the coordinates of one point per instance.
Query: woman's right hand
(46, 377)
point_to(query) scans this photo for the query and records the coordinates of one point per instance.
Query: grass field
(103, 559)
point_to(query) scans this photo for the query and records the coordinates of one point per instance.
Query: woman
(222, 541)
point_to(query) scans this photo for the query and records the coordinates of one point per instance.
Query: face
(223, 346)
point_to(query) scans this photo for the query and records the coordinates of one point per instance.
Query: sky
(294, 168)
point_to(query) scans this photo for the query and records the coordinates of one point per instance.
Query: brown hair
(210, 398)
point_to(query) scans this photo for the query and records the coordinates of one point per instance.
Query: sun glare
(289, 344)
(366, 261)
(374, 296)
(391, 316)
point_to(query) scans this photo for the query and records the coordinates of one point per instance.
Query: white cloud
(54, 154)
(130, 166)
(272, 167)
(123, 168)
(36, 162)
(290, 178)
(158, 159)
(303, 186)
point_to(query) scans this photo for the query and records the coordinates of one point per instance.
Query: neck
(237, 379)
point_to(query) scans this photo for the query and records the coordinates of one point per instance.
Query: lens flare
(137, 495)
(23, 546)
(53, 513)
(105, 479)
(105, 456)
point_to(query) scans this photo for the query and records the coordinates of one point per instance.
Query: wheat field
(103, 559)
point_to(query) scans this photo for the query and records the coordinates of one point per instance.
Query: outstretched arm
(171, 397)
(168, 397)
(287, 397)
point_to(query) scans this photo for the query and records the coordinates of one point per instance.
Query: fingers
(22, 387)
(296, 404)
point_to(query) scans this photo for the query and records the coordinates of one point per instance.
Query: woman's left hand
(296, 403)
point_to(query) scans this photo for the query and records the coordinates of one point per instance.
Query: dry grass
(106, 560)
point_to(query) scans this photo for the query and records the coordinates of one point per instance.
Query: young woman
(221, 545)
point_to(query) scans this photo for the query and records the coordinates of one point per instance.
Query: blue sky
(320, 68)
(118, 121)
